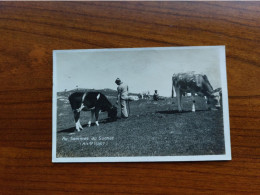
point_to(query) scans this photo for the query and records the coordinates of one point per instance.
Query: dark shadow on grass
(177, 112)
(73, 129)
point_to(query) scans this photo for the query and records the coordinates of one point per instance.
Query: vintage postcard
(140, 105)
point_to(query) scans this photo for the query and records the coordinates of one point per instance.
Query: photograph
(151, 104)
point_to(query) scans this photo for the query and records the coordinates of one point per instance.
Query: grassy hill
(154, 128)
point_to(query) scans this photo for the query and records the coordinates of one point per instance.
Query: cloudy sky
(142, 69)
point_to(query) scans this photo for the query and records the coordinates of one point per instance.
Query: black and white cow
(95, 102)
(195, 84)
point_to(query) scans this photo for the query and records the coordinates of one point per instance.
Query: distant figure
(146, 95)
(140, 96)
(122, 97)
(156, 95)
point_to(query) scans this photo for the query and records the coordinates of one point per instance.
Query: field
(154, 128)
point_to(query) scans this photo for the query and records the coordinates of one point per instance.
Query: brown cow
(195, 83)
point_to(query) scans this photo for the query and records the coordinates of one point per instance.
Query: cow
(91, 101)
(195, 83)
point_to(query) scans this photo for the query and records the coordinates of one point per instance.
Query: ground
(154, 128)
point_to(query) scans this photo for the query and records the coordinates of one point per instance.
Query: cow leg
(218, 102)
(81, 107)
(77, 121)
(180, 101)
(97, 111)
(80, 127)
(91, 119)
(193, 103)
(207, 104)
(181, 95)
(178, 96)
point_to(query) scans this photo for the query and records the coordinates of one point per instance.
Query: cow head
(113, 113)
(214, 100)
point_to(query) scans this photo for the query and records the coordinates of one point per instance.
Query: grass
(152, 129)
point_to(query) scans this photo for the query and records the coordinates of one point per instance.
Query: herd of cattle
(182, 83)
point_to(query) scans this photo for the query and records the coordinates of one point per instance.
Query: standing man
(155, 95)
(122, 96)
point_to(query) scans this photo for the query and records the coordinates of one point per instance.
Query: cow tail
(128, 106)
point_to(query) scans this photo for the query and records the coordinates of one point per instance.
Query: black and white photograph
(140, 105)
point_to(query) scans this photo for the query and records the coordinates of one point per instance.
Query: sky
(143, 70)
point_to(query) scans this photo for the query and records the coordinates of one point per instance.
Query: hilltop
(107, 92)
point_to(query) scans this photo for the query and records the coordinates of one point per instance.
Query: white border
(54, 110)
(226, 156)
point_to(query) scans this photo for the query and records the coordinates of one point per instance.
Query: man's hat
(118, 81)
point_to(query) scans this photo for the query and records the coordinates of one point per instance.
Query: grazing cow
(91, 101)
(195, 83)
